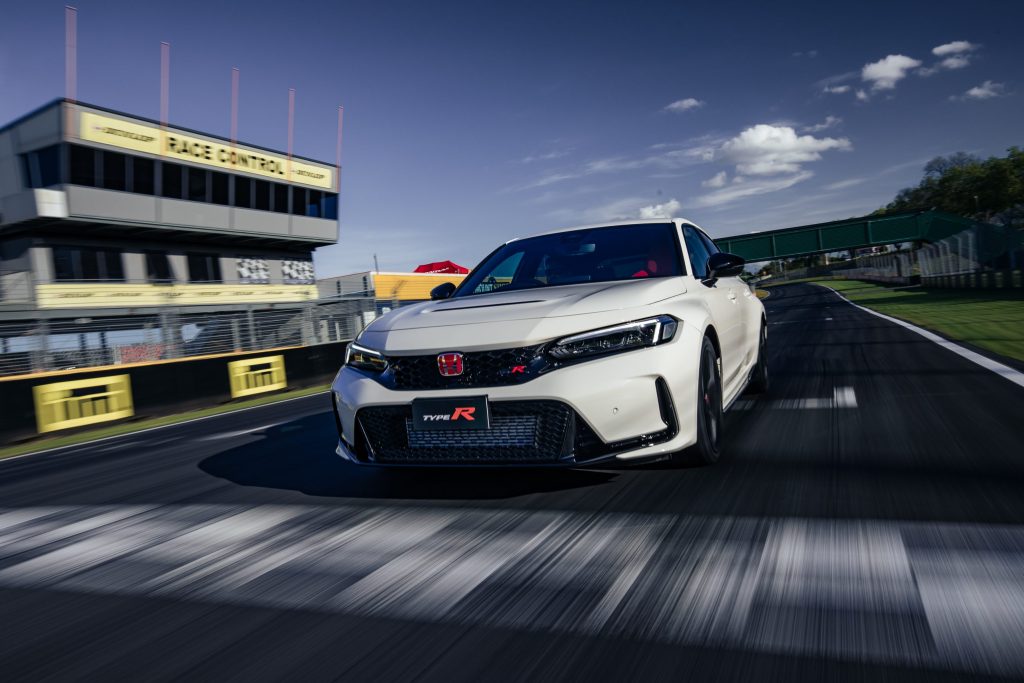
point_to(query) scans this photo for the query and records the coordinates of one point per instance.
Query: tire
(709, 407)
(759, 375)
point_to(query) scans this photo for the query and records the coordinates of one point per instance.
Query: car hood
(512, 318)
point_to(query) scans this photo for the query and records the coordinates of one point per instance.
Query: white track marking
(842, 397)
(240, 432)
(1005, 371)
(929, 595)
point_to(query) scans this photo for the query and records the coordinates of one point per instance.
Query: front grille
(528, 432)
(497, 368)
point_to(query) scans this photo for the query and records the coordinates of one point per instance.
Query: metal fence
(976, 249)
(986, 256)
(60, 344)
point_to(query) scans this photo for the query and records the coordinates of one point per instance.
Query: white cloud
(836, 89)
(862, 96)
(665, 158)
(717, 180)
(549, 179)
(545, 156)
(985, 91)
(687, 104)
(956, 56)
(955, 62)
(842, 184)
(667, 210)
(620, 209)
(829, 122)
(768, 150)
(885, 73)
(955, 47)
(837, 79)
(749, 189)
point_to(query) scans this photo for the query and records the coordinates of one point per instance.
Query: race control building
(103, 214)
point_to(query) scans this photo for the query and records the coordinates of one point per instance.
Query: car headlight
(362, 358)
(625, 337)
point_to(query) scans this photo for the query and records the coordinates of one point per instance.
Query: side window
(710, 244)
(697, 251)
(501, 275)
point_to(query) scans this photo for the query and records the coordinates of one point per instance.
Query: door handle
(732, 295)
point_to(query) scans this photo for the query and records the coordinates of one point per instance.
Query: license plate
(445, 414)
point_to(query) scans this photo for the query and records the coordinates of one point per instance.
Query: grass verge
(988, 319)
(47, 442)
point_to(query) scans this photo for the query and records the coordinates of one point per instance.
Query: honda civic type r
(622, 342)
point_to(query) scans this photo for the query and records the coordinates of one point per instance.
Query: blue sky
(470, 123)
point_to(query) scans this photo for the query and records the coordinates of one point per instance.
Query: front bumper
(632, 406)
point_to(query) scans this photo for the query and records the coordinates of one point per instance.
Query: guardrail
(49, 343)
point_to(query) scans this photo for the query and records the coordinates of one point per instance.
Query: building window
(262, 193)
(83, 166)
(172, 181)
(42, 167)
(203, 268)
(87, 263)
(330, 206)
(280, 198)
(313, 204)
(158, 267)
(297, 272)
(299, 201)
(143, 175)
(243, 192)
(115, 171)
(197, 184)
(253, 270)
(219, 188)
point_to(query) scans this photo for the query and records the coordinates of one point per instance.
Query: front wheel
(709, 406)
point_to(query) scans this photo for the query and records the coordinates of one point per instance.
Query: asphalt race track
(866, 523)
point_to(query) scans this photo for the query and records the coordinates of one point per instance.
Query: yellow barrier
(256, 375)
(63, 405)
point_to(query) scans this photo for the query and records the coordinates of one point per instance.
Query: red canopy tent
(442, 267)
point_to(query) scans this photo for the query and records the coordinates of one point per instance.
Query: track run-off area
(866, 521)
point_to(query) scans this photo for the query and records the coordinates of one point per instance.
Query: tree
(939, 166)
(968, 186)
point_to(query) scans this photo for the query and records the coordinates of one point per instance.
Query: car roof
(609, 224)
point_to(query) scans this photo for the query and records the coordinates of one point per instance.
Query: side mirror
(442, 291)
(723, 265)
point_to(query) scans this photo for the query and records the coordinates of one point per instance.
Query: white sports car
(621, 342)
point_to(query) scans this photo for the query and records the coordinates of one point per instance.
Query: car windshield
(622, 252)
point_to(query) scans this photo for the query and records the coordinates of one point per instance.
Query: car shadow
(299, 456)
